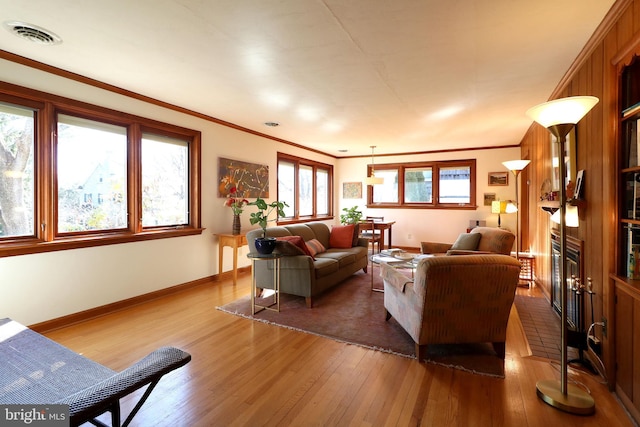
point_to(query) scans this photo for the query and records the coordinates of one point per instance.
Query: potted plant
(266, 245)
(351, 215)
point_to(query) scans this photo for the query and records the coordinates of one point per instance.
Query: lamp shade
(499, 206)
(562, 111)
(373, 180)
(570, 216)
(516, 165)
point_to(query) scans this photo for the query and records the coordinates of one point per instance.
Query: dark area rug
(352, 313)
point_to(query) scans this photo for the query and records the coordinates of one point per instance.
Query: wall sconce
(559, 117)
(373, 179)
(571, 217)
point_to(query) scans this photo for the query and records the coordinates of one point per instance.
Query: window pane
(286, 181)
(91, 172)
(165, 181)
(455, 185)
(322, 192)
(16, 172)
(305, 175)
(387, 192)
(418, 185)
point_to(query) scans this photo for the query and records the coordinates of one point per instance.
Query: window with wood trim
(306, 186)
(77, 175)
(441, 184)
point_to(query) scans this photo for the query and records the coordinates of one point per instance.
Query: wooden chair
(374, 232)
(368, 232)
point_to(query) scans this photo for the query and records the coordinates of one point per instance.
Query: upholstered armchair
(453, 299)
(479, 240)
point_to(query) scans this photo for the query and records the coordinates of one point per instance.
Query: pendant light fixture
(373, 179)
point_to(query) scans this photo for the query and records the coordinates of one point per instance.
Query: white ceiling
(404, 75)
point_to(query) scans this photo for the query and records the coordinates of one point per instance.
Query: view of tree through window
(305, 186)
(164, 181)
(16, 171)
(439, 184)
(76, 175)
(92, 175)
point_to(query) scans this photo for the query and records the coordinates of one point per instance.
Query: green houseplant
(351, 215)
(264, 244)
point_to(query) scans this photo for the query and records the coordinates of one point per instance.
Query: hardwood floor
(246, 373)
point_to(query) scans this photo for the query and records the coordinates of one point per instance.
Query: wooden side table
(528, 264)
(234, 241)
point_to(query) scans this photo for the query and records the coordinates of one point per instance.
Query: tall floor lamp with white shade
(516, 166)
(559, 117)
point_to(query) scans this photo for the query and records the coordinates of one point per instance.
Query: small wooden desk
(234, 241)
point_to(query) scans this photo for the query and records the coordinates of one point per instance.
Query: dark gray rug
(353, 314)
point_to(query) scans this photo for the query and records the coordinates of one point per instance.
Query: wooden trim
(134, 95)
(75, 318)
(596, 39)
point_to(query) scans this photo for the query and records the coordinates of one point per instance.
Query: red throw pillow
(298, 241)
(341, 236)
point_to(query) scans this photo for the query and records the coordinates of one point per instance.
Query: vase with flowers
(236, 202)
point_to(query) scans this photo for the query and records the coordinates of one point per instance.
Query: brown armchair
(453, 299)
(481, 240)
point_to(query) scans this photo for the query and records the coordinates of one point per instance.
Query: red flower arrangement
(235, 201)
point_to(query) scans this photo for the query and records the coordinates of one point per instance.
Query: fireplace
(575, 301)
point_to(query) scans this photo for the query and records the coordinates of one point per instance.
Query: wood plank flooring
(246, 373)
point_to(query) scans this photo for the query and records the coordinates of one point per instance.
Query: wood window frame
(435, 166)
(297, 162)
(46, 107)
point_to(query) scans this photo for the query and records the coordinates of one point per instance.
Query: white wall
(436, 225)
(40, 287)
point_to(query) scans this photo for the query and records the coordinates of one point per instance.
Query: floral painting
(250, 180)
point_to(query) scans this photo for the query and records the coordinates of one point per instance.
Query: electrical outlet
(604, 326)
(409, 236)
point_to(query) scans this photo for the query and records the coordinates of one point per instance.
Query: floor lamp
(559, 117)
(516, 166)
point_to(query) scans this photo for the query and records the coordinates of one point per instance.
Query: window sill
(33, 246)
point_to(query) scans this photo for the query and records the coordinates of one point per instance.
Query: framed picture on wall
(488, 198)
(352, 190)
(499, 178)
(249, 179)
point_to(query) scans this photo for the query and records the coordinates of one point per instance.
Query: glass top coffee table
(396, 260)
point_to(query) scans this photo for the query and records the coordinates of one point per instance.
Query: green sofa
(303, 275)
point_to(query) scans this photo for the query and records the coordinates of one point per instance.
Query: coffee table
(394, 262)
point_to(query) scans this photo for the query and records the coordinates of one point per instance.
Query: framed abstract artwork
(251, 180)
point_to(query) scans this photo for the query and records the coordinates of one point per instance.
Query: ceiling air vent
(32, 33)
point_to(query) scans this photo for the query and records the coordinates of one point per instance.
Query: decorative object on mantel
(560, 117)
(265, 245)
(236, 202)
(249, 178)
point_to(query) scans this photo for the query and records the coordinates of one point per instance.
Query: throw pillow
(315, 247)
(341, 236)
(356, 234)
(467, 242)
(292, 245)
